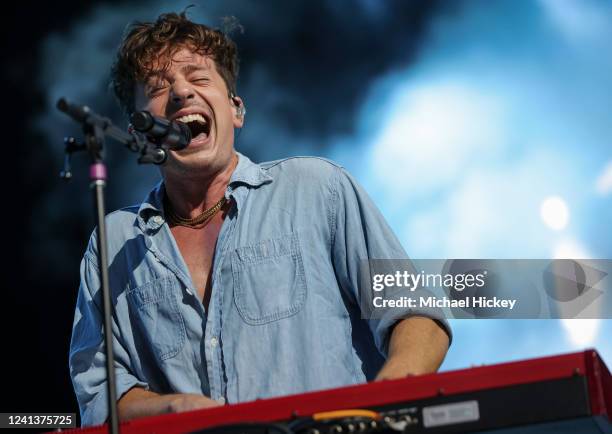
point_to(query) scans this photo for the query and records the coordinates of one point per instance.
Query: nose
(181, 92)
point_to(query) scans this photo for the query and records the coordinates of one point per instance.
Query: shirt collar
(249, 173)
(151, 211)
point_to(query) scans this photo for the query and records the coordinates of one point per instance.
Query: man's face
(191, 90)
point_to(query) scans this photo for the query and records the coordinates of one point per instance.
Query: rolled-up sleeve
(87, 358)
(360, 234)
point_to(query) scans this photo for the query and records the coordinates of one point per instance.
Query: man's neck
(191, 196)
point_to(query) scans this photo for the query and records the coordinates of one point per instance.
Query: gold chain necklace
(195, 222)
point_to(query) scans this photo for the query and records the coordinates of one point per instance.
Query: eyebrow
(188, 69)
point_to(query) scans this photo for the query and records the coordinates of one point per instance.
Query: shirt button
(158, 219)
(213, 342)
(221, 400)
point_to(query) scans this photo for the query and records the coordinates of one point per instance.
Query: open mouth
(198, 124)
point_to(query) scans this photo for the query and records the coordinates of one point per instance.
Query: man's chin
(200, 159)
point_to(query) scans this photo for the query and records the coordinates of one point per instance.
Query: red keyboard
(568, 393)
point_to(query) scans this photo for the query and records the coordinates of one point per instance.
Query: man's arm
(417, 346)
(138, 402)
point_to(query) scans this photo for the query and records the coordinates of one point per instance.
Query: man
(232, 280)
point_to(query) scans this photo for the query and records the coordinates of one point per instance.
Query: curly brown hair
(146, 43)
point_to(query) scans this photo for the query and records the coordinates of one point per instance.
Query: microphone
(171, 135)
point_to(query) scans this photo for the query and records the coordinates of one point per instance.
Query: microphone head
(184, 136)
(168, 134)
(142, 121)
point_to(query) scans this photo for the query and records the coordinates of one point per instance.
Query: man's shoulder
(121, 225)
(302, 167)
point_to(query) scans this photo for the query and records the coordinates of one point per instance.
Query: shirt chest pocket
(155, 310)
(269, 280)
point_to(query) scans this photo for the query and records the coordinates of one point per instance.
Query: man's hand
(417, 346)
(189, 401)
(138, 402)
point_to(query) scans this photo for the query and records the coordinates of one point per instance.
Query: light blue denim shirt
(283, 316)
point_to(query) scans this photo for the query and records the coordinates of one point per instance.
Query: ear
(239, 111)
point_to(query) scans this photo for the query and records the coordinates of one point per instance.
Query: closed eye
(155, 90)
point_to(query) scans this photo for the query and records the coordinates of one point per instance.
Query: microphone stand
(96, 128)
